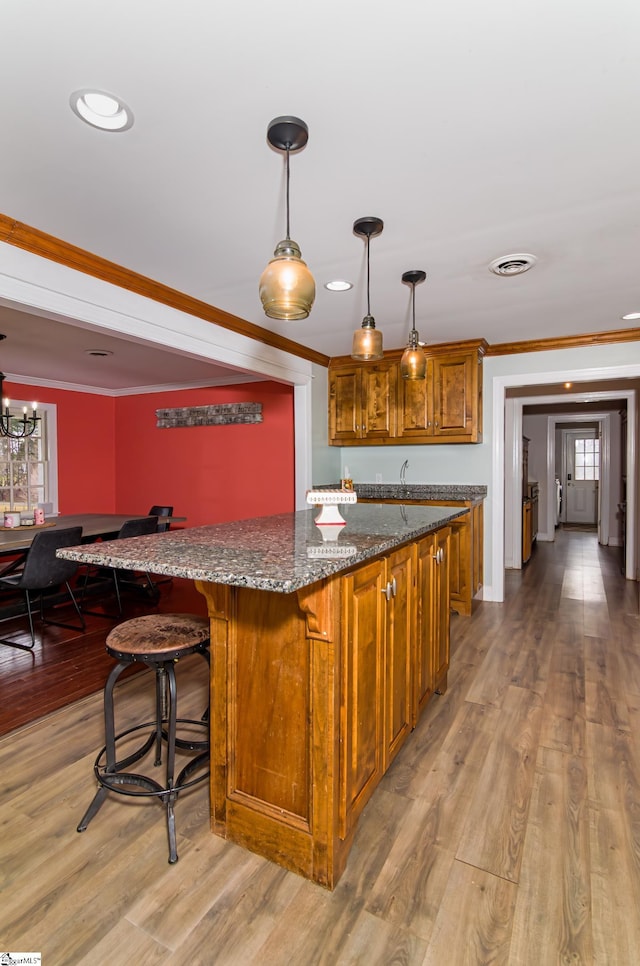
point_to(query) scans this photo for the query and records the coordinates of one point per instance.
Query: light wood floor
(507, 831)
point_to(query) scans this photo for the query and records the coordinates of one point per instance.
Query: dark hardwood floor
(66, 665)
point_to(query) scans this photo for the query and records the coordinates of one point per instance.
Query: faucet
(403, 473)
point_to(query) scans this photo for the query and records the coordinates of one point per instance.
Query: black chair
(116, 579)
(161, 511)
(43, 573)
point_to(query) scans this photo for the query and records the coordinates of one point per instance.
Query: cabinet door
(423, 672)
(345, 404)
(379, 400)
(441, 610)
(400, 635)
(362, 691)
(460, 564)
(455, 389)
(415, 405)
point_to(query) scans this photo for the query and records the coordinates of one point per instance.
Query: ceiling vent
(512, 264)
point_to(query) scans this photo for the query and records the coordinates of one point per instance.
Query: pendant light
(287, 288)
(367, 341)
(413, 364)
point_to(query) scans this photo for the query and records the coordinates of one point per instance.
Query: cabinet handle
(387, 591)
(441, 554)
(394, 586)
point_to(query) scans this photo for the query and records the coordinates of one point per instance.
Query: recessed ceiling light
(338, 285)
(512, 264)
(631, 315)
(568, 385)
(101, 110)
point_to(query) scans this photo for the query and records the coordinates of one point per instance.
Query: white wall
(325, 458)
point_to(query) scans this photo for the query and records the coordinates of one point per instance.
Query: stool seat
(159, 641)
(162, 637)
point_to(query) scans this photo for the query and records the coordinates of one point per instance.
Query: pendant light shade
(367, 341)
(413, 364)
(287, 288)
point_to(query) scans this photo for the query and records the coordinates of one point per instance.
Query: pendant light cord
(413, 323)
(368, 300)
(288, 146)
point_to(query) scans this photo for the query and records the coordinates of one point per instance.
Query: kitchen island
(324, 654)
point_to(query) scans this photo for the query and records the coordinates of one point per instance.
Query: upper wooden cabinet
(362, 402)
(370, 403)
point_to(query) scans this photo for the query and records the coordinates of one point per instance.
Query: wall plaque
(222, 414)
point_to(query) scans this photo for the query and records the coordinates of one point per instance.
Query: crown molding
(565, 342)
(37, 242)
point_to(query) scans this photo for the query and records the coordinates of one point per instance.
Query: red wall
(86, 446)
(209, 474)
(113, 459)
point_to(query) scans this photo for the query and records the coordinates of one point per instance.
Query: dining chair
(161, 511)
(119, 579)
(41, 574)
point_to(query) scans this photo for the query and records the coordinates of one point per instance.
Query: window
(26, 465)
(587, 459)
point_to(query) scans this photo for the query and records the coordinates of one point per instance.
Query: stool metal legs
(111, 773)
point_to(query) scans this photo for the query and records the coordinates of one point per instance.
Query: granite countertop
(415, 491)
(280, 553)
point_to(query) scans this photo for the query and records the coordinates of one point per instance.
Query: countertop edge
(140, 554)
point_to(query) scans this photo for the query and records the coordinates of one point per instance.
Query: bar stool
(159, 641)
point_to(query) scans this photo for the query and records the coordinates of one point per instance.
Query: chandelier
(16, 427)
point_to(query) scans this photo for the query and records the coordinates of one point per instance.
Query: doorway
(507, 467)
(581, 473)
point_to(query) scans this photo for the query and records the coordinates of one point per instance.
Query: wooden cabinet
(432, 619)
(395, 655)
(380, 638)
(466, 569)
(440, 610)
(400, 599)
(370, 403)
(362, 700)
(362, 403)
(312, 695)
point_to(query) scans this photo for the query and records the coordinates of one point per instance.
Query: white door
(582, 462)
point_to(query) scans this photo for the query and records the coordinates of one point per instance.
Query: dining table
(17, 540)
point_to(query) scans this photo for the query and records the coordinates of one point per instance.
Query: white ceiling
(474, 130)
